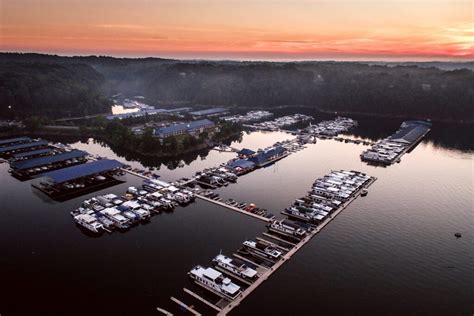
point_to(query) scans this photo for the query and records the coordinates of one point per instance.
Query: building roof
(246, 152)
(79, 171)
(190, 126)
(209, 111)
(410, 131)
(242, 163)
(22, 146)
(41, 161)
(32, 153)
(136, 113)
(263, 156)
(184, 109)
(14, 140)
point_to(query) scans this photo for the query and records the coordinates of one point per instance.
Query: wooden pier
(251, 262)
(289, 254)
(199, 298)
(137, 174)
(188, 308)
(262, 218)
(223, 307)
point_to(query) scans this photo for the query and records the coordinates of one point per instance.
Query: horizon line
(392, 59)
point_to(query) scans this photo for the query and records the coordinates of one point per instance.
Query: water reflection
(448, 136)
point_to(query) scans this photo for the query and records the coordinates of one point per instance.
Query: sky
(242, 29)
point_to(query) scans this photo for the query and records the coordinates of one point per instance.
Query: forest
(72, 86)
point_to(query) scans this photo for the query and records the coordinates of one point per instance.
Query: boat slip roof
(246, 152)
(209, 111)
(410, 133)
(79, 171)
(41, 161)
(242, 163)
(14, 140)
(21, 146)
(33, 153)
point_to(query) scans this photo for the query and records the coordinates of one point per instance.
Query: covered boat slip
(7, 151)
(14, 141)
(32, 154)
(24, 169)
(66, 183)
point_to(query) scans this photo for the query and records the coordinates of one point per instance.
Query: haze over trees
(71, 86)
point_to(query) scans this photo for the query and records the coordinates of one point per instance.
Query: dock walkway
(288, 255)
(262, 218)
(188, 308)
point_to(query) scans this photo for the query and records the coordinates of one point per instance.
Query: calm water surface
(392, 252)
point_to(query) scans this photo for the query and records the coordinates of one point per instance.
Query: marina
(331, 128)
(280, 122)
(227, 230)
(390, 150)
(233, 208)
(261, 252)
(252, 116)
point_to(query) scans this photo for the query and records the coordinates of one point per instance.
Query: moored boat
(215, 281)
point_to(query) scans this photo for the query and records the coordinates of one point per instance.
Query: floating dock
(227, 309)
(224, 306)
(262, 218)
(390, 150)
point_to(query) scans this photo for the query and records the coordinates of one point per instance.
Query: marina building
(145, 112)
(193, 128)
(209, 112)
(268, 156)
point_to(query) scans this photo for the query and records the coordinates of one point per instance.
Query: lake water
(392, 252)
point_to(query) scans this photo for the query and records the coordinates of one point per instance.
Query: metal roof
(184, 109)
(190, 126)
(79, 171)
(242, 163)
(33, 153)
(263, 156)
(41, 161)
(136, 113)
(410, 131)
(21, 146)
(209, 111)
(14, 140)
(246, 152)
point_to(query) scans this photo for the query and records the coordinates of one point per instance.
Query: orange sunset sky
(242, 29)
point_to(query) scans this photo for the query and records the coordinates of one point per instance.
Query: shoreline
(74, 131)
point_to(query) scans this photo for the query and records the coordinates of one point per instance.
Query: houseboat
(215, 281)
(262, 249)
(288, 228)
(235, 266)
(89, 222)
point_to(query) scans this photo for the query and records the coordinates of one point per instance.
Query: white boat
(287, 227)
(136, 208)
(263, 249)
(88, 221)
(182, 198)
(115, 216)
(236, 266)
(132, 190)
(215, 281)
